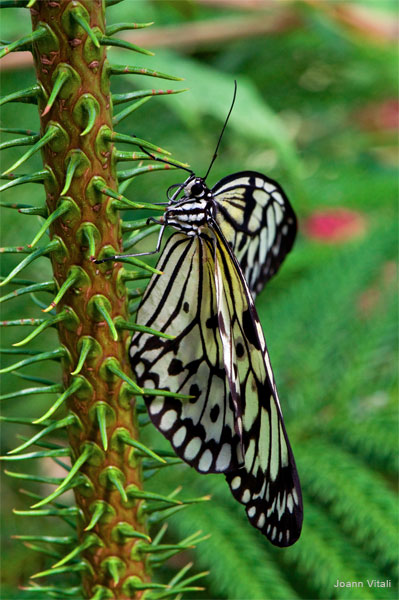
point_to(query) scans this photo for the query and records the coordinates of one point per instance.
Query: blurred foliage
(317, 111)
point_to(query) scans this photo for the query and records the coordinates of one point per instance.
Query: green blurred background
(317, 110)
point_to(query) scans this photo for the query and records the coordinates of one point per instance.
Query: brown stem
(68, 50)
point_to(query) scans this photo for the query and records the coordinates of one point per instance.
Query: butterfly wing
(267, 484)
(257, 220)
(182, 302)
(234, 423)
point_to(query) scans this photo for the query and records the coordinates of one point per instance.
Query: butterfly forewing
(268, 483)
(182, 302)
(257, 220)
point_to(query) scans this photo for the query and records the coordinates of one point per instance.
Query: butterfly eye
(197, 189)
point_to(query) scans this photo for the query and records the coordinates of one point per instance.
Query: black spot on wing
(214, 414)
(193, 366)
(194, 391)
(212, 322)
(153, 343)
(249, 328)
(175, 367)
(239, 350)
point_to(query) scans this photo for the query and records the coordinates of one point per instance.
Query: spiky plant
(110, 550)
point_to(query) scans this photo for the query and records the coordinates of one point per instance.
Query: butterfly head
(193, 210)
(196, 188)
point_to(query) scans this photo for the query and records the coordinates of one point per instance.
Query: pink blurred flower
(379, 116)
(334, 225)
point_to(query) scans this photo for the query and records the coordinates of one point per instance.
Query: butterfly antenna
(158, 159)
(222, 132)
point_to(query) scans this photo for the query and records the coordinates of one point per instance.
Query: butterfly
(228, 242)
(233, 424)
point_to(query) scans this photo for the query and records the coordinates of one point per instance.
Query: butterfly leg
(122, 256)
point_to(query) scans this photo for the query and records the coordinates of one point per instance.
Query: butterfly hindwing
(257, 220)
(182, 302)
(267, 484)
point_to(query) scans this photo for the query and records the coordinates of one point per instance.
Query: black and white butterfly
(229, 241)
